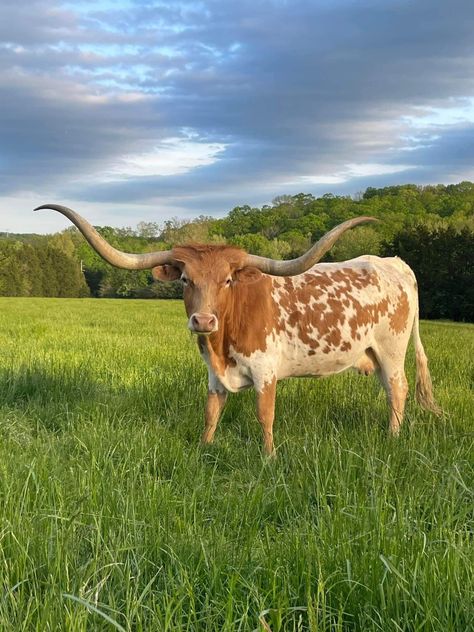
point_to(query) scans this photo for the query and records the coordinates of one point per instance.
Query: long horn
(106, 251)
(312, 256)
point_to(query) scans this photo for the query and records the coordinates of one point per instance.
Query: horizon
(134, 227)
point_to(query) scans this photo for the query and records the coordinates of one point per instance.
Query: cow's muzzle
(203, 323)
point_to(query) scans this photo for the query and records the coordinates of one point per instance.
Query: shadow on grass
(50, 394)
(25, 386)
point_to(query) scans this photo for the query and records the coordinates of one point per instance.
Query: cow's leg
(394, 381)
(266, 414)
(215, 404)
(397, 398)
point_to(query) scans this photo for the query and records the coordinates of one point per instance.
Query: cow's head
(208, 273)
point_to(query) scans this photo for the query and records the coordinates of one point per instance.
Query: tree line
(430, 227)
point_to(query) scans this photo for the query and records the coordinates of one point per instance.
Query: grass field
(113, 517)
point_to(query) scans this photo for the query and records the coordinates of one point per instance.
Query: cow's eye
(228, 282)
(184, 280)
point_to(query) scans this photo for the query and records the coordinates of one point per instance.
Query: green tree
(363, 240)
(13, 281)
(443, 262)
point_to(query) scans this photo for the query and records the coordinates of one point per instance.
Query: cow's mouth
(202, 333)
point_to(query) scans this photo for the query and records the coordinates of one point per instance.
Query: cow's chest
(230, 372)
(236, 378)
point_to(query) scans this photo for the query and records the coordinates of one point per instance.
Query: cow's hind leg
(215, 404)
(266, 414)
(394, 381)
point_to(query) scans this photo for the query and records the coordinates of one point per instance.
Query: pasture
(113, 518)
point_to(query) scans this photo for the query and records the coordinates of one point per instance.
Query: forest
(430, 227)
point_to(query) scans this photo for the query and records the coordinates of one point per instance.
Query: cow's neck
(216, 352)
(217, 346)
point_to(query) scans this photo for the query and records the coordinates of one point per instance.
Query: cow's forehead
(208, 268)
(204, 261)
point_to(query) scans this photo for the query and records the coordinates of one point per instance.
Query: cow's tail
(424, 386)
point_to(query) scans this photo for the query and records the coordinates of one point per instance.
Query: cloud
(171, 157)
(199, 106)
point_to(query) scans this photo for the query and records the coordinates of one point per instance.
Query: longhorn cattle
(258, 320)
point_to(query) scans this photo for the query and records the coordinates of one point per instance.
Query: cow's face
(209, 281)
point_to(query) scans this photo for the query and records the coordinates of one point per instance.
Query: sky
(132, 111)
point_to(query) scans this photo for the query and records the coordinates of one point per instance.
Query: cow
(259, 320)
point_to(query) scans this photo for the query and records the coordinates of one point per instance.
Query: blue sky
(130, 111)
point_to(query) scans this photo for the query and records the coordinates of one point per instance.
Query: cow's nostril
(212, 321)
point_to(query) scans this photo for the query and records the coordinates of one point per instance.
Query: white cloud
(173, 156)
(456, 111)
(374, 169)
(354, 170)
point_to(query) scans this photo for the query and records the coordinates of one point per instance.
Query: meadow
(112, 517)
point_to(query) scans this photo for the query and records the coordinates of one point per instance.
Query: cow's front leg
(266, 414)
(215, 404)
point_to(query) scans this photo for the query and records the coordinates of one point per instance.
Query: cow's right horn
(312, 256)
(106, 251)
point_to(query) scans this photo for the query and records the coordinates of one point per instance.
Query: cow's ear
(166, 273)
(247, 275)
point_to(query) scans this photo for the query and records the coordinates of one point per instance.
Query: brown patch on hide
(349, 280)
(366, 315)
(318, 319)
(328, 296)
(399, 317)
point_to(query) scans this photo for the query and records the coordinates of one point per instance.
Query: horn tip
(52, 207)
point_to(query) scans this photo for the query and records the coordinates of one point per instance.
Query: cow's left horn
(113, 256)
(312, 256)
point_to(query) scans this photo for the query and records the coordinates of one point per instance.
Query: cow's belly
(284, 358)
(307, 362)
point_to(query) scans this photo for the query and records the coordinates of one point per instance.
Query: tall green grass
(113, 518)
